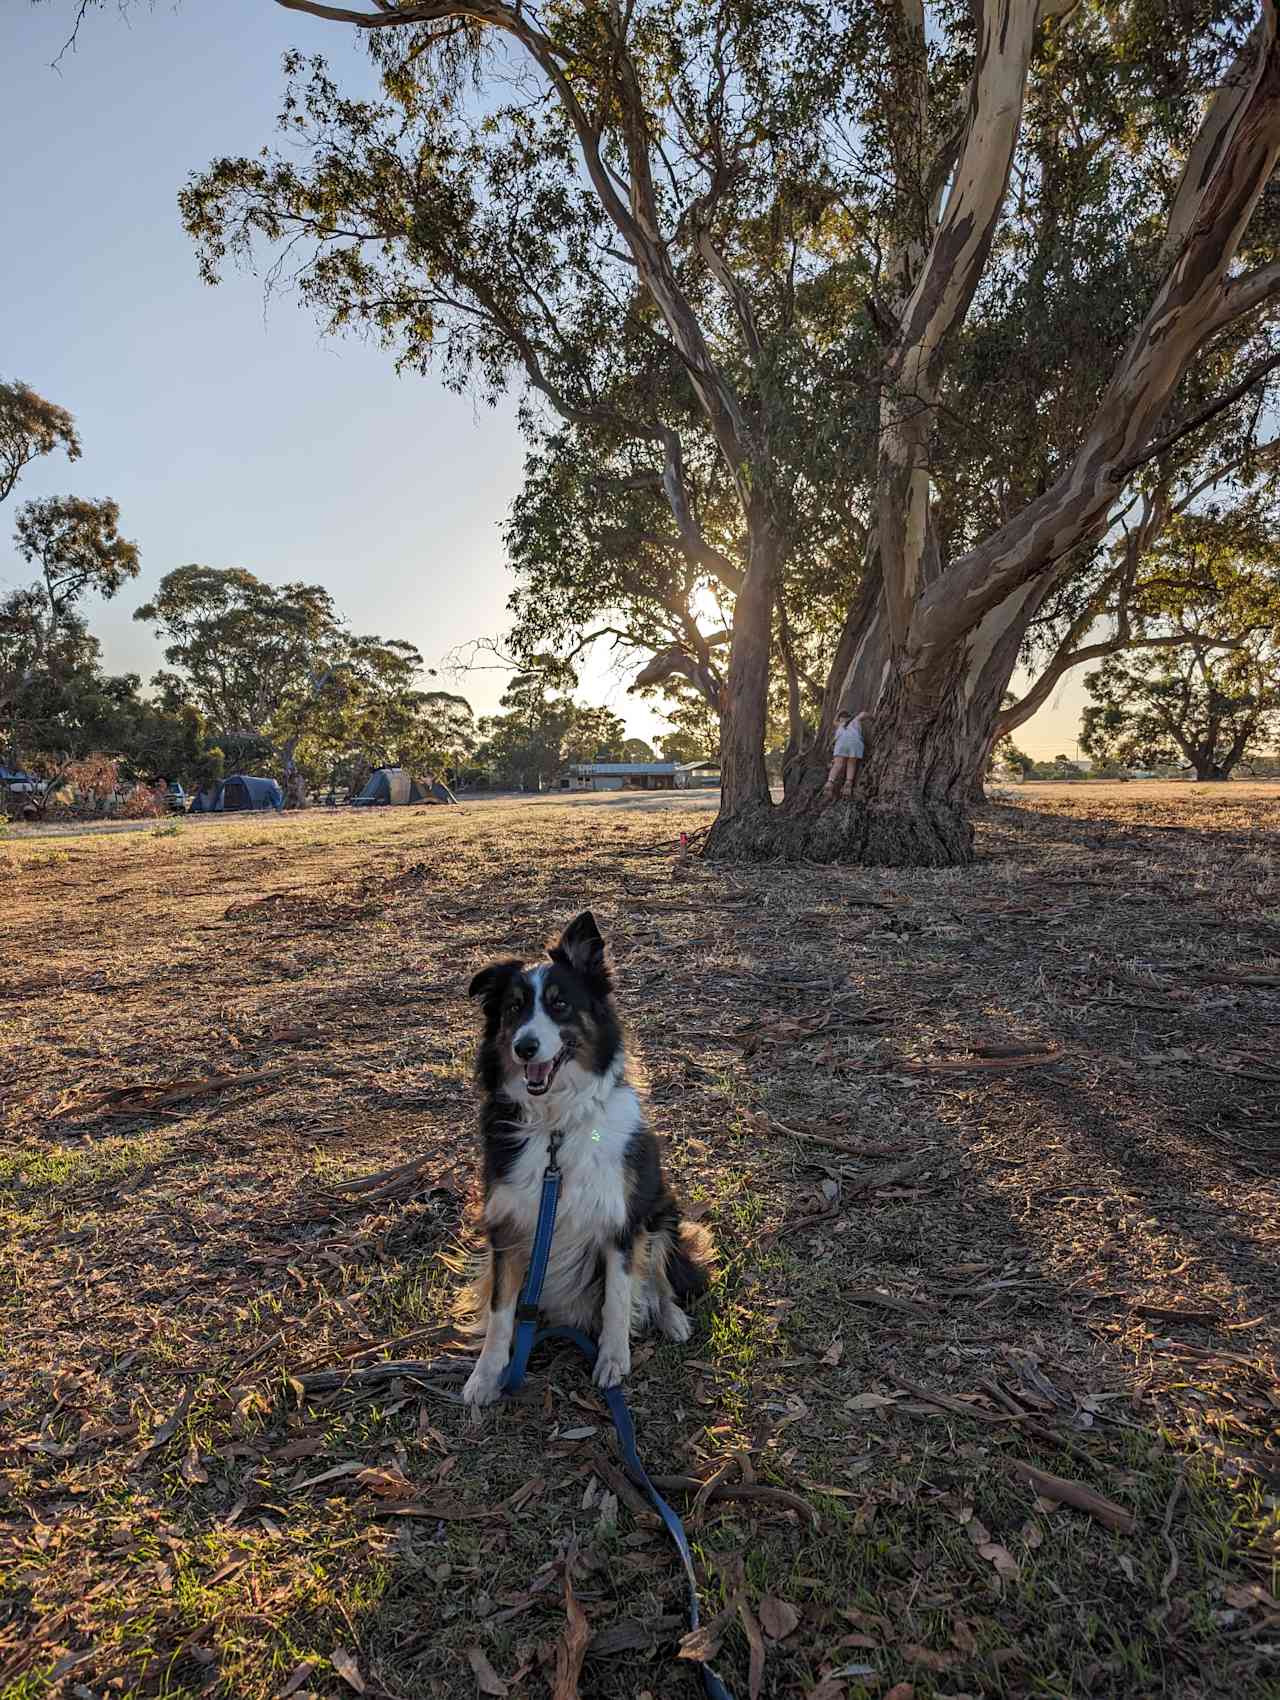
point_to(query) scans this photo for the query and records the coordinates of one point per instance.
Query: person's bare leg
(851, 774)
(833, 779)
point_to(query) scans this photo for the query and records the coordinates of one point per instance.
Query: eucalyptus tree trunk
(928, 741)
(927, 744)
(1211, 763)
(745, 704)
(978, 787)
(949, 638)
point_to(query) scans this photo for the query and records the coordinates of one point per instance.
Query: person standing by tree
(850, 748)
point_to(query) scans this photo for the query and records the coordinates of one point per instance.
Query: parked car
(179, 801)
(23, 784)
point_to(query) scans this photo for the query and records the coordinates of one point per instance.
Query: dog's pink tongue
(537, 1073)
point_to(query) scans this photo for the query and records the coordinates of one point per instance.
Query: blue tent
(240, 791)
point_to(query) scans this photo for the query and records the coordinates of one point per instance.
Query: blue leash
(528, 1335)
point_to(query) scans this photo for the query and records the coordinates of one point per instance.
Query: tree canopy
(242, 651)
(49, 669)
(75, 546)
(1210, 691)
(1190, 707)
(30, 427)
(278, 664)
(540, 731)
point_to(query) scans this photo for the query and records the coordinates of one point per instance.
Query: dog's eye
(556, 1004)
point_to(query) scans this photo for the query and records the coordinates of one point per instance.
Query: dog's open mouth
(539, 1075)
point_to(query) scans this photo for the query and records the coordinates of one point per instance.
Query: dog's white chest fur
(592, 1206)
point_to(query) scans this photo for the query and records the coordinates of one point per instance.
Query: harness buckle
(553, 1148)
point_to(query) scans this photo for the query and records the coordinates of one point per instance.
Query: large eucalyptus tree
(1054, 213)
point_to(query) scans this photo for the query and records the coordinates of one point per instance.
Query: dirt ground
(984, 1400)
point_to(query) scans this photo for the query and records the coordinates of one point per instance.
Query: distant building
(695, 773)
(619, 776)
(638, 775)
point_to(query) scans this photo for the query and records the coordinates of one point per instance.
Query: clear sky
(231, 433)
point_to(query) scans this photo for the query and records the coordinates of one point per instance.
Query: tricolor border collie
(552, 1061)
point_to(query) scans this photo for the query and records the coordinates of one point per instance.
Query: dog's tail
(474, 1268)
(690, 1260)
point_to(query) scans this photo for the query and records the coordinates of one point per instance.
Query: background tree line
(257, 677)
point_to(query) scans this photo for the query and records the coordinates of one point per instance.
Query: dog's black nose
(526, 1048)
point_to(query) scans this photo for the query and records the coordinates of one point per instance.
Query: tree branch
(1175, 328)
(1210, 411)
(1018, 713)
(958, 252)
(371, 20)
(676, 662)
(954, 265)
(1251, 289)
(695, 545)
(1210, 141)
(634, 217)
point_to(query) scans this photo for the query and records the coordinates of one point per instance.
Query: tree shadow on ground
(1053, 1199)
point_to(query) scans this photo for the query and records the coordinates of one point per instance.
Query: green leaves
(275, 669)
(1191, 705)
(539, 733)
(30, 427)
(75, 545)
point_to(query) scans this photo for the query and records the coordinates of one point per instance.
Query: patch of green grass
(417, 1295)
(172, 829)
(61, 1169)
(44, 859)
(32, 1685)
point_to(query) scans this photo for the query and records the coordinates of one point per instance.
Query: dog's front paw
(675, 1323)
(613, 1365)
(484, 1387)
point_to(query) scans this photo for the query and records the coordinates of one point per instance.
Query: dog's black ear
(492, 982)
(582, 948)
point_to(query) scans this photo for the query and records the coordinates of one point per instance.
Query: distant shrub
(85, 789)
(141, 803)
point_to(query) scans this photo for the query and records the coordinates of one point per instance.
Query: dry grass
(992, 1157)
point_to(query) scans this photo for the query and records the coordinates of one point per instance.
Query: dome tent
(243, 791)
(240, 791)
(391, 785)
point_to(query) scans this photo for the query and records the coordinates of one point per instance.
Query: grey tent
(240, 791)
(391, 785)
(441, 792)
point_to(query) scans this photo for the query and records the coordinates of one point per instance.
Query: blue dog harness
(528, 1335)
